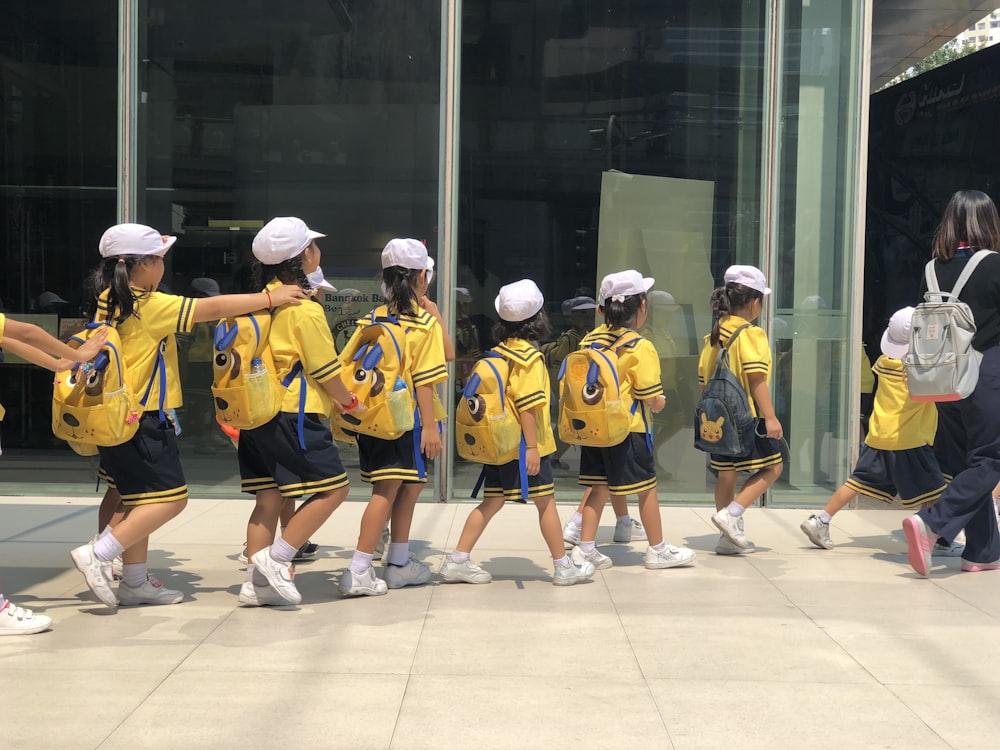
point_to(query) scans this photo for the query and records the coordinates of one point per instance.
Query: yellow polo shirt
(529, 388)
(898, 422)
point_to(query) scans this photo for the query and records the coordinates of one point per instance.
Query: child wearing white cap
(35, 345)
(735, 306)
(522, 321)
(627, 467)
(395, 468)
(292, 456)
(145, 472)
(897, 457)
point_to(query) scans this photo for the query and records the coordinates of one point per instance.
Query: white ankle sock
(282, 551)
(460, 557)
(588, 546)
(360, 562)
(577, 519)
(735, 509)
(562, 562)
(625, 520)
(107, 548)
(134, 574)
(824, 517)
(399, 553)
(659, 547)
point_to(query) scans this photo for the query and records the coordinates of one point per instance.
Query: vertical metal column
(128, 66)
(451, 39)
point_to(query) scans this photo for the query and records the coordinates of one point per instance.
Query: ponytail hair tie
(121, 261)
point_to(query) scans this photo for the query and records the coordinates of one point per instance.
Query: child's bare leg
(839, 499)
(287, 511)
(376, 515)
(649, 513)
(111, 510)
(312, 514)
(548, 522)
(583, 500)
(402, 511)
(592, 509)
(725, 489)
(263, 521)
(757, 485)
(620, 505)
(477, 521)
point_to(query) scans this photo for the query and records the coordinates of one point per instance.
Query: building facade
(557, 140)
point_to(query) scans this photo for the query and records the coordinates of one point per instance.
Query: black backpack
(723, 422)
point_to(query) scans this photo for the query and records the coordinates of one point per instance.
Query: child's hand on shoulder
(430, 306)
(287, 294)
(656, 403)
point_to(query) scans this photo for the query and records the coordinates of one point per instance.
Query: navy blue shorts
(505, 481)
(912, 474)
(389, 459)
(765, 452)
(271, 457)
(147, 468)
(625, 469)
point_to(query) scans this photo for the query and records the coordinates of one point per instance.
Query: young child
(522, 321)
(391, 465)
(897, 454)
(146, 470)
(273, 465)
(627, 467)
(738, 303)
(31, 343)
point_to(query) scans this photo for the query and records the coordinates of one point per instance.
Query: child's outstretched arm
(213, 308)
(529, 428)
(656, 403)
(342, 397)
(36, 356)
(765, 409)
(45, 342)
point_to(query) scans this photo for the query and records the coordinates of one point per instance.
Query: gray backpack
(941, 364)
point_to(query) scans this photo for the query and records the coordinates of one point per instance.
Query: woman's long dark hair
(113, 274)
(400, 289)
(535, 328)
(970, 218)
(622, 314)
(725, 299)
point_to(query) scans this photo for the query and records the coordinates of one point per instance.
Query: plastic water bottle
(258, 389)
(401, 405)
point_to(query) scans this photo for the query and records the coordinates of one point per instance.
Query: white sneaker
(117, 568)
(252, 595)
(571, 533)
(362, 584)
(726, 547)
(150, 592)
(670, 557)
(463, 572)
(817, 532)
(629, 532)
(244, 560)
(96, 573)
(278, 574)
(947, 550)
(383, 544)
(594, 557)
(20, 621)
(731, 526)
(414, 573)
(571, 574)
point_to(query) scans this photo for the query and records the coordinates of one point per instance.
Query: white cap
(208, 287)
(896, 339)
(462, 295)
(134, 239)
(318, 280)
(623, 284)
(430, 269)
(661, 298)
(407, 253)
(281, 239)
(582, 303)
(519, 301)
(50, 298)
(748, 276)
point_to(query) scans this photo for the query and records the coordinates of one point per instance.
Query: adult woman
(968, 434)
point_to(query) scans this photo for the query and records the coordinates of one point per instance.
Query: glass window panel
(561, 103)
(58, 98)
(252, 109)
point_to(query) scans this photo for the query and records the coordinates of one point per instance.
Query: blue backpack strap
(418, 431)
(479, 482)
(522, 464)
(297, 372)
(159, 369)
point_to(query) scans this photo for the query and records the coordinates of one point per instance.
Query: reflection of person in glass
(467, 346)
(581, 311)
(676, 414)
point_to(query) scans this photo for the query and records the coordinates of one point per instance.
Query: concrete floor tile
(496, 712)
(964, 716)
(725, 712)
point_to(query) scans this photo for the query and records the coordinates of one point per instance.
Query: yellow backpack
(374, 368)
(245, 387)
(92, 404)
(487, 426)
(592, 409)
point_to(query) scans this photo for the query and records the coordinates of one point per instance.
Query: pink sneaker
(973, 567)
(919, 544)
